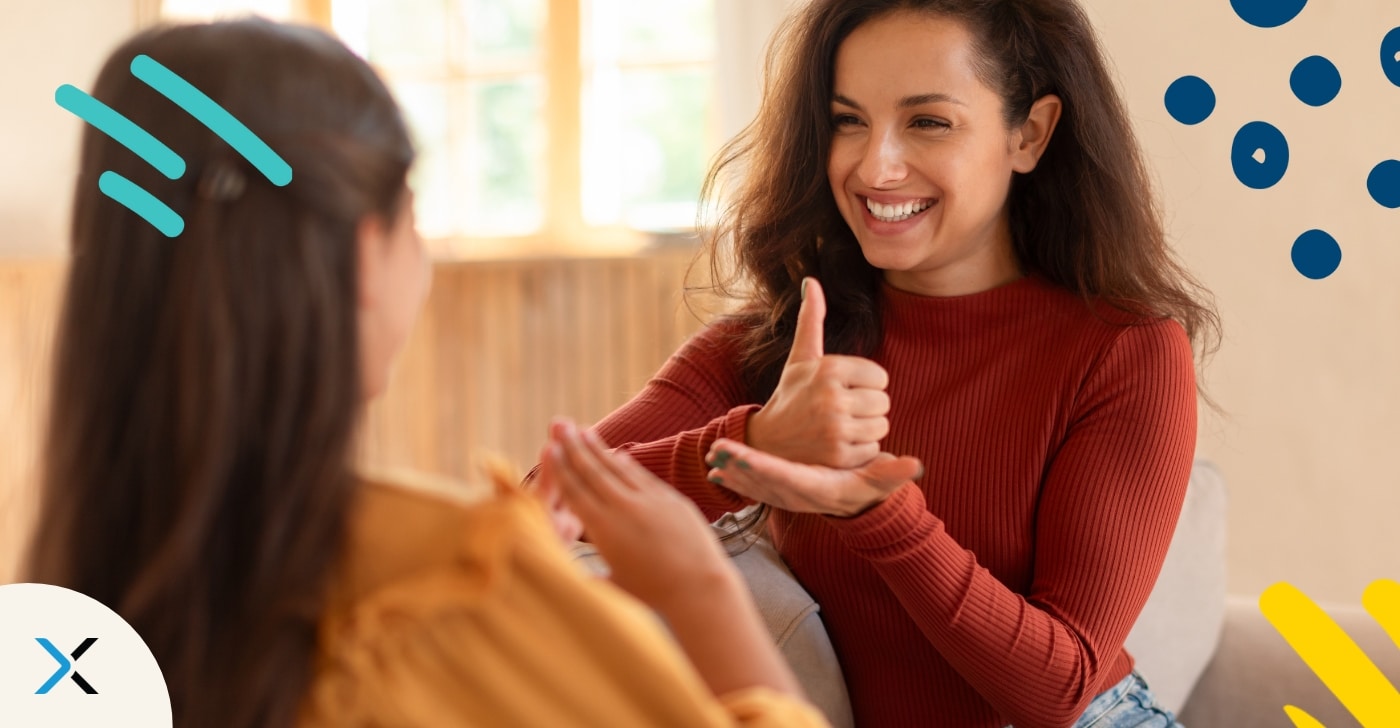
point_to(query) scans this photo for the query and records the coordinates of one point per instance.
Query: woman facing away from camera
(974, 433)
(199, 476)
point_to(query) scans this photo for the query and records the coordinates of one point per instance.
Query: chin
(889, 259)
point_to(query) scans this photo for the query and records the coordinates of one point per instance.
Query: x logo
(64, 665)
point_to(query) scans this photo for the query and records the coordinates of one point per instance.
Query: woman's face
(395, 275)
(921, 158)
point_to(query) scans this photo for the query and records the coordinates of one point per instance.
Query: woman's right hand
(656, 542)
(828, 409)
(660, 549)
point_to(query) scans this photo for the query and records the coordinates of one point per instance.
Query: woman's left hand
(545, 487)
(801, 488)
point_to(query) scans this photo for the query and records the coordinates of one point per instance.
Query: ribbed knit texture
(1057, 442)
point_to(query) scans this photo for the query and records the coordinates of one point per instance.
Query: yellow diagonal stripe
(1382, 601)
(1332, 656)
(1301, 719)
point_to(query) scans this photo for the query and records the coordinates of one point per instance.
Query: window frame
(563, 230)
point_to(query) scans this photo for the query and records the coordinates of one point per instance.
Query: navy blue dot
(1390, 56)
(1267, 13)
(1316, 254)
(1190, 100)
(1315, 81)
(1384, 184)
(1259, 155)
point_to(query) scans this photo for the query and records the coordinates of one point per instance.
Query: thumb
(807, 341)
(887, 468)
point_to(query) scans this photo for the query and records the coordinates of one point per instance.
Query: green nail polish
(804, 289)
(717, 480)
(721, 460)
(744, 465)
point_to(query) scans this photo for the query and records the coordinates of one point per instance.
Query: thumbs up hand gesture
(828, 409)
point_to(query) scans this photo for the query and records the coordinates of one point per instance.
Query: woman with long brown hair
(946, 247)
(199, 473)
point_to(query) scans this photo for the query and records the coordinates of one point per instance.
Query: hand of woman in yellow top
(803, 488)
(544, 488)
(661, 550)
(828, 409)
(654, 539)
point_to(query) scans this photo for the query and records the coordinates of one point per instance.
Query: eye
(924, 122)
(844, 120)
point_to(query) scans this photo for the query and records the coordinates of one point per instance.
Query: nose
(882, 164)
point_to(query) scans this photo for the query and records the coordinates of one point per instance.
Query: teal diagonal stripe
(121, 129)
(134, 198)
(214, 116)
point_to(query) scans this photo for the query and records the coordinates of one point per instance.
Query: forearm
(719, 629)
(1029, 663)
(697, 397)
(679, 459)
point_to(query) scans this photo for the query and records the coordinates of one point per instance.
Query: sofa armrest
(1179, 627)
(1255, 673)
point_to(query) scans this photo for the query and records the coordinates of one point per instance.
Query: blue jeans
(1129, 704)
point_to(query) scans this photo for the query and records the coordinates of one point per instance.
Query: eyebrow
(907, 102)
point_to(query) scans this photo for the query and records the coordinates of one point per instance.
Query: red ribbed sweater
(1057, 444)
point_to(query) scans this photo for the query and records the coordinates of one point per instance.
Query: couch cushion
(1255, 672)
(1176, 634)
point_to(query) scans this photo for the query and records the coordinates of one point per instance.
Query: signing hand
(654, 539)
(828, 409)
(544, 486)
(801, 488)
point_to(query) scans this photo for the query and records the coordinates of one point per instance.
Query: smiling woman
(961, 379)
(921, 177)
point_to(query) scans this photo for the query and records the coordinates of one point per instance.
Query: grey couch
(1214, 658)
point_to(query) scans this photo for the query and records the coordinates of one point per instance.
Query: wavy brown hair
(197, 470)
(1086, 218)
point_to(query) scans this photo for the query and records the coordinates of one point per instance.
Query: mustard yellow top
(457, 606)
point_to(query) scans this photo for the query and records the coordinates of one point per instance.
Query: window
(543, 126)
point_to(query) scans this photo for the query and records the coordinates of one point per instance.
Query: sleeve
(521, 638)
(1109, 504)
(697, 397)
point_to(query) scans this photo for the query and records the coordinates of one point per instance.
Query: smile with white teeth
(896, 213)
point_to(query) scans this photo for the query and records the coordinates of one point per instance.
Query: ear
(1029, 140)
(370, 241)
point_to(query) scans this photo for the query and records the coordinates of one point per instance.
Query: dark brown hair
(1085, 219)
(197, 471)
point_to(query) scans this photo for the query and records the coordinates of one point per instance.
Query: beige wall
(44, 44)
(1308, 370)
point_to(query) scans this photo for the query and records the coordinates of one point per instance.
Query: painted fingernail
(919, 475)
(804, 289)
(716, 479)
(744, 465)
(721, 459)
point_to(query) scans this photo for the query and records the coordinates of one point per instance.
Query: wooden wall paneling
(514, 393)
(614, 389)
(501, 347)
(30, 296)
(558, 365)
